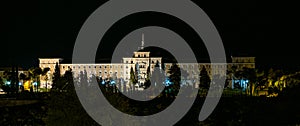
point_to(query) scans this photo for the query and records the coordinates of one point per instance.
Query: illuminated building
(140, 61)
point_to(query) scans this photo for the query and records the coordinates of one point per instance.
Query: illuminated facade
(140, 61)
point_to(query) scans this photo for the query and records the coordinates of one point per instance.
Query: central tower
(140, 62)
(143, 43)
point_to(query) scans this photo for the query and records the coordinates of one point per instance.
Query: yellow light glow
(27, 85)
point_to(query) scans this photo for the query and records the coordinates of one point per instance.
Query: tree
(271, 77)
(137, 72)
(34, 74)
(253, 76)
(231, 72)
(23, 77)
(56, 78)
(237, 74)
(148, 73)
(175, 77)
(64, 107)
(44, 73)
(133, 78)
(147, 82)
(157, 74)
(174, 72)
(216, 80)
(204, 79)
(7, 77)
(83, 80)
(1, 83)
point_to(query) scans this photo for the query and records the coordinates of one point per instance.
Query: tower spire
(143, 42)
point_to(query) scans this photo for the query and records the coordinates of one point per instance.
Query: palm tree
(44, 73)
(274, 77)
(204, 79)
(232, 72)
(35, 73)
(236, 74)
(23, 77)
(253, 76)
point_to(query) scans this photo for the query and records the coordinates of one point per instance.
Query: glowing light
(112, 82)
(34, 83)
(20, 83)
(168, 82)
(8, 82)
(27, 85)
(103, 82)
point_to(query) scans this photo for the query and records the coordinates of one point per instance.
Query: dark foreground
(236, 110)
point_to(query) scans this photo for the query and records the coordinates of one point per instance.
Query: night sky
(48, 28)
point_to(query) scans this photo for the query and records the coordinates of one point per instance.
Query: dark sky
(48, 28)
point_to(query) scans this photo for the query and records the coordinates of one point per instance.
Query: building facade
(140, 62)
